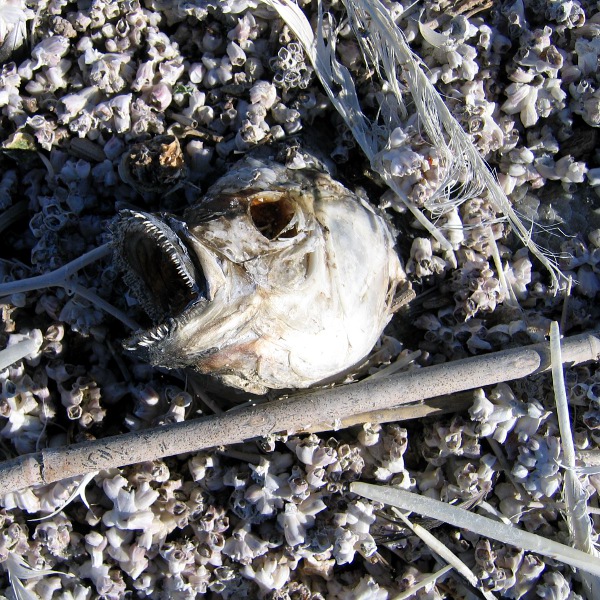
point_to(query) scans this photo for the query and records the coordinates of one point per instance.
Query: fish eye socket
(273, 217)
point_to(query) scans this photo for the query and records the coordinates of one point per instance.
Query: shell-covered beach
(142, 106)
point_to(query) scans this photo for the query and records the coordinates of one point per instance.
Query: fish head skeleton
(277, 278)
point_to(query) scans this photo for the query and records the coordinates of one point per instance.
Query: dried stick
(433, 407)
(574, 494)
(290, 414)
(63, 277)
(484, 526)
(441, 550)
(57, 278)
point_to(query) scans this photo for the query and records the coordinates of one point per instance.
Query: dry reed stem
(431, 407)
(574, 493)
(444, 553)
(290, 414)
(483, 526)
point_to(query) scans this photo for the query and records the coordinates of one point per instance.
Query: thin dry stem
(409, 593)
(59, 277)
(443, 552)
(62, 277)
(574, 494)
(428, 408)
(289, 414)
(464, 519)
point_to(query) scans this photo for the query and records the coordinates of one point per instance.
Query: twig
(55, 278)
(62, 277)
(459, 517)
(511, 299)
(418, 585)
(289, 414)
(567, 295)
(203, 396)
(400, 363)
(575, 496)
(444, 553)
(100, 303)
(572, 487)
(428, 408)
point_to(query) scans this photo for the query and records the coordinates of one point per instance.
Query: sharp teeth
(184, 275)
(148, 338)
(172, 248)
(166, 245)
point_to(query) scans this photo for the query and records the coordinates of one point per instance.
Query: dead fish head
(276, 278)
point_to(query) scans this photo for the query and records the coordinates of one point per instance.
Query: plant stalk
(293, 414)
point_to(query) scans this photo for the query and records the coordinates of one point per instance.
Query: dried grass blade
(475, 523)
(409, 593)
(78, 491)
(18, 568)
(574, 495)
(467, 174)
(445, 553)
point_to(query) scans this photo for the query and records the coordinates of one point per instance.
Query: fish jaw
(196, 301)
(157, 265)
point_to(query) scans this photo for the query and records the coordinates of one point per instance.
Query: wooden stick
(430, 407)
(295, 414)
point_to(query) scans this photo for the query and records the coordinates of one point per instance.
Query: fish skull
(277, 278)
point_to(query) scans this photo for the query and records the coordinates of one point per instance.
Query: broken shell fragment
(154, 166)
(276, 278)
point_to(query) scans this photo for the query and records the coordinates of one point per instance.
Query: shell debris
(143, 108)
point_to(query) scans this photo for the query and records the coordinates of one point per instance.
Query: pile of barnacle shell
(87, 87)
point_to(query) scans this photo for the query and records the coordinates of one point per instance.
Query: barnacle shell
(277, 278)
(154, 166)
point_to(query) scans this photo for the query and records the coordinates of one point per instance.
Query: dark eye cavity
(272, 217)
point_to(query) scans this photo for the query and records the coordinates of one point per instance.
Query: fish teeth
(185, 276)
(167, 246)
(150, 337)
